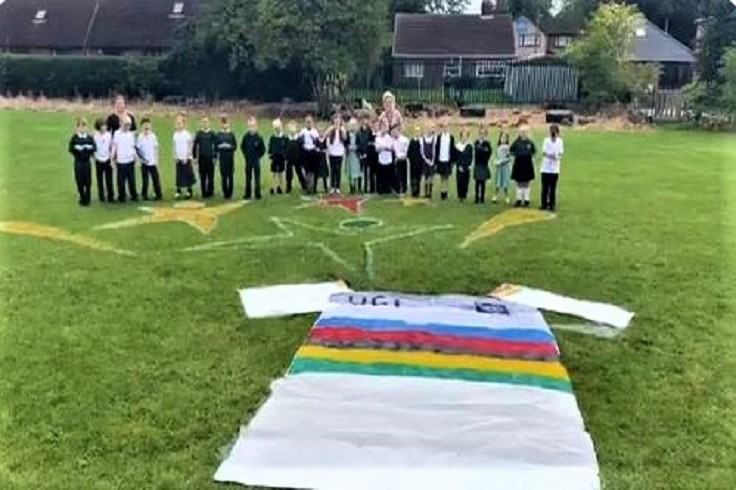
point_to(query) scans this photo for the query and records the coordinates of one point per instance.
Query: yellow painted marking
(513, 217)
(51, 233)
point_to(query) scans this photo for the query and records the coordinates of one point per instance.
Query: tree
(728, 74)
(532, 9)
(425, 6)
(720, 33)
(603, 56)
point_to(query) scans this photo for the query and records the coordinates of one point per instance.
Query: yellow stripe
(435, 360)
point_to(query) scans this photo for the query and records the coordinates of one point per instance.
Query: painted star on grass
(352, 204)
(293, 233)
(194, 214)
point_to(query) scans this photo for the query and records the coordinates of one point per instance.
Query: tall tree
(720, 33)
(426, 6)
(532, 9)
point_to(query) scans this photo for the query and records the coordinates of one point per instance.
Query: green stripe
(301, 366)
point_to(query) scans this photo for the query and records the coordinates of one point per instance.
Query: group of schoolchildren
(377, 159)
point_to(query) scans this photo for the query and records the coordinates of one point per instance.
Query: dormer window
(177, 11)
(641, 32)
(40, 17)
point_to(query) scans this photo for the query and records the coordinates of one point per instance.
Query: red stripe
(473, 345)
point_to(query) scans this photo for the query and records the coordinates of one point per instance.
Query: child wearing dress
(183, 146)
(522, 173)
(294, 160)
(277, 152)
(204, 152)
(148, 154)
(445, 154)
(103, 166)
(226, 145)
(401, 152)
(552, 151)
(464, 162)
(123, 157)
(253, 149)
(335, 142)
(355, 172)
(416, 167)
(482, 171)
(503, 166)
(428, 154)
(82, 147)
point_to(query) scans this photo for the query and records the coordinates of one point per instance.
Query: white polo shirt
(124, 144)
(555, 148)
(148, 149)
(309, 137)
(182, 144)
(385, 149)
(401, 147)
(103, 143)
(444, 155)
(335, 146)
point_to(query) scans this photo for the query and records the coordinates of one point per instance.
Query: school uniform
(294, 165)
(147, 147)
(114, 123)
(204, 152)
(355, 172)
(464, 162)
(373, 167)
(414, 154)
(322, 170)
(310, 156)
(82, 147)
(428, 146)
(481, 170)
(386, 170)
(184, 171)
(226, 145)
(401, 152)
(335, 142)
(444, 154)
(522, 172)
(551, 171)
(103, 167)
(253, 149)
(503, 166)
(277, 153)
(123, 143)
(364, 138)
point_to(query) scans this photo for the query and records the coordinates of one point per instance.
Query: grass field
(136, 371)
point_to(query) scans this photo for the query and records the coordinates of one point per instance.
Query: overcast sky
(474, 5)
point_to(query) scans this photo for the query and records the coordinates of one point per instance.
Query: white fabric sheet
(597, 312)
(289, 299)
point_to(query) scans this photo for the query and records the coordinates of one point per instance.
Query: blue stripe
(381, 325)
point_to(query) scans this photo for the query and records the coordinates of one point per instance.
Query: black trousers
(480, 191)
(150, 172)
(103, 170)
(126, 177)
(415, 177)
(227, 174)
(335, 172)
(252, 179)
(371, 180)
(385, 178)
(463, 183)
(402, 167)
(83, 179)
(207, 177)
(295, 168)
(549, 190)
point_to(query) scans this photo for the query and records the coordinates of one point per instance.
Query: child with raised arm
(148, 154)
(103, 164)
(335, 142)
(183, 145)
(503, 167)
(253, 149)
(226, 146)
(522, 173)
(552, 151)
(82, 147)
(481, 170)
(277, 152)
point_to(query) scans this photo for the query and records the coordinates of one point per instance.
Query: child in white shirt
(103, 166)
(183, 146)
(386, 170)
(148, 154)
(401, 151)
(123, 157)
(552, 151)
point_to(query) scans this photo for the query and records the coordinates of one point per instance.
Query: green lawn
(136, 372)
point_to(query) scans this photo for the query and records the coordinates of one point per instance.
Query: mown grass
(136, 372)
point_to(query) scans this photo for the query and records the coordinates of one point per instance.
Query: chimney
(487, 8)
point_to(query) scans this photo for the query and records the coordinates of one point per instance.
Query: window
(489, 69)
(40, 17)
(529, 40)
(641, 32)
(414, 69)
(453, 68)
(177, 10)
(561, 41)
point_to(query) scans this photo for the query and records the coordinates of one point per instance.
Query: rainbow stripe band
(379, 325)
(304, 366)
(429, 360)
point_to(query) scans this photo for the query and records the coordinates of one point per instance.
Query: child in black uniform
(294, 159)
(481, 171)
(445, 155)
(416, 163)
(253, 149)
(204, 152)
(522, 173)
(464, 162)
(364, 142)
(277, 151)
(322, 170)
(82, 147)
(226, 144)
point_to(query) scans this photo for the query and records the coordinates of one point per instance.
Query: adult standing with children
(121, 112)
(391, 116)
